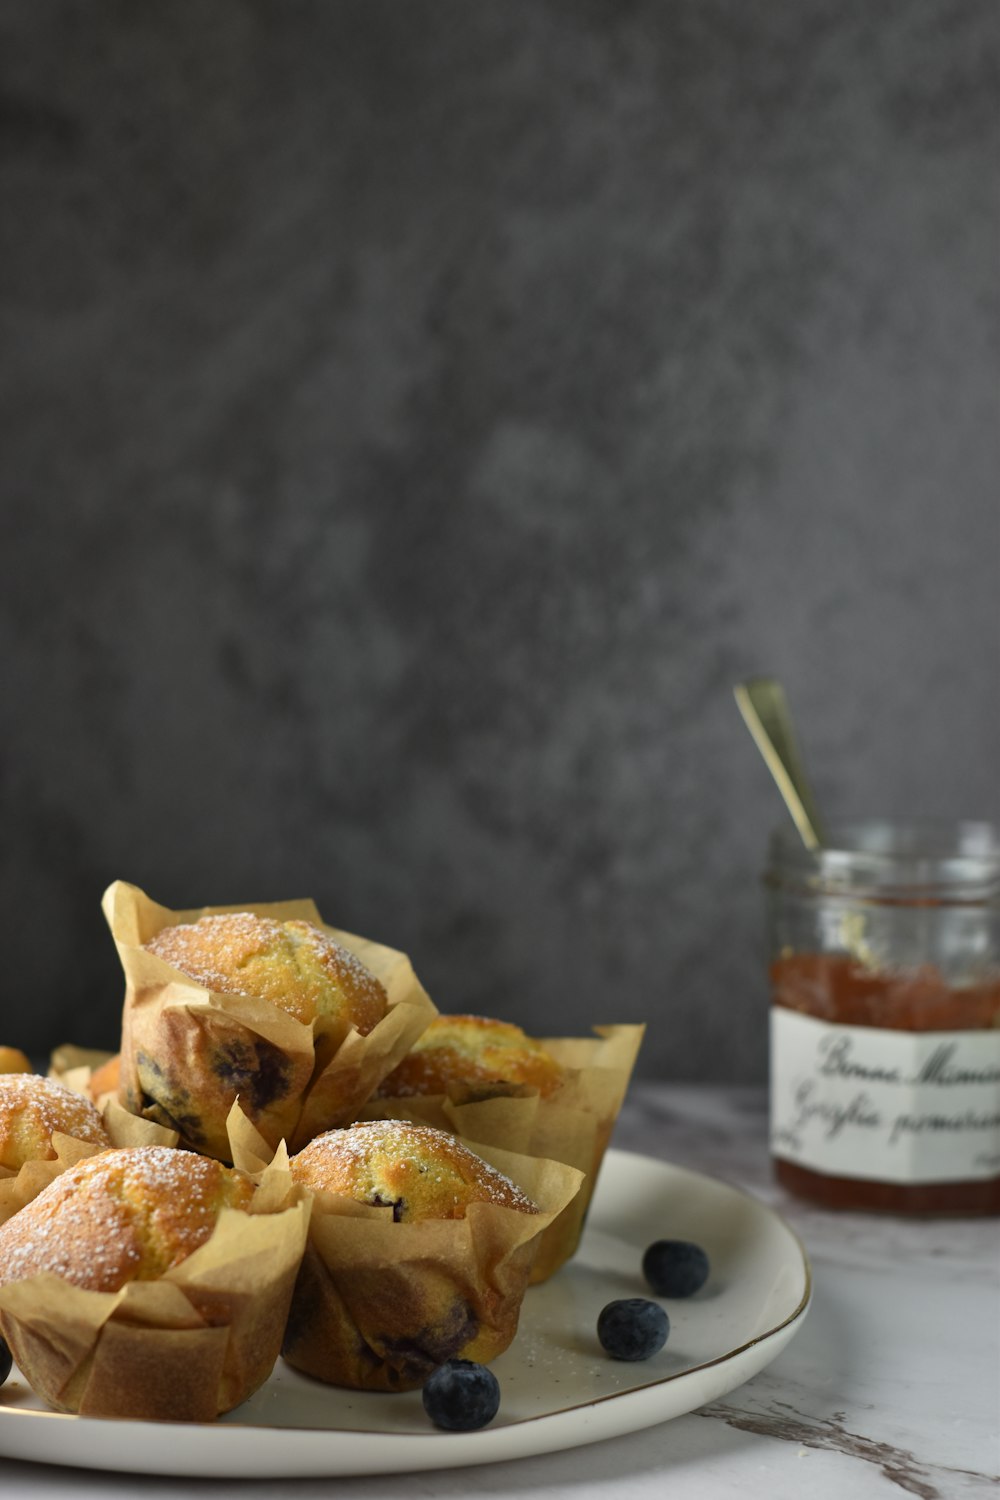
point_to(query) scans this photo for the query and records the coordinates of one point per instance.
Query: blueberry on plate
(632, 1328)
(675, 1268)
(461, 1396)
(6, 1361)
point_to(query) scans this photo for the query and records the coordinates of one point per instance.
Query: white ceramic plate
(559, 1390)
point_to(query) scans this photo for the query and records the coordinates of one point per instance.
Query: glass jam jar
(885, 1017)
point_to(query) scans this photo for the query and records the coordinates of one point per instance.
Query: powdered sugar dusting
(472, 1050)
(341, 1156)
(213, 948)
(32, 1107)
(293, 964)
(119, 1216)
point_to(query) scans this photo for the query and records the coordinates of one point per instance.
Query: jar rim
(957, 858)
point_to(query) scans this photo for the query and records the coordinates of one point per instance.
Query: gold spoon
(764, 707)
(763, 704)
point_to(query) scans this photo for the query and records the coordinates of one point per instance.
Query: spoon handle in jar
(764, 707)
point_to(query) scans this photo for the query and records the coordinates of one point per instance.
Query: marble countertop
(891, 1387)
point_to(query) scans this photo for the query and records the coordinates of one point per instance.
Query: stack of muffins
(152, 1219)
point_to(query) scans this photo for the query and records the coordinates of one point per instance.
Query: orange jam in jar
(885, 1017)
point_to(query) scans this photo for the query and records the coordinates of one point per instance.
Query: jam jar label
(889, 1106)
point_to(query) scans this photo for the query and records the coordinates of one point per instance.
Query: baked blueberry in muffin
(418, 1172)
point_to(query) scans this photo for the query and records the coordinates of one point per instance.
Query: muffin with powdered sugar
(420, 1249)
(267, 1004)
(150, 1282)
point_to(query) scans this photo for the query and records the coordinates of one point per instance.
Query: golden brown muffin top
(120, 1216)
(31, 1108)
(472, 1050)
(418, 1172)
(292, 964)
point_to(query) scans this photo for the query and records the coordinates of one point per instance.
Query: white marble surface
(892, 1386)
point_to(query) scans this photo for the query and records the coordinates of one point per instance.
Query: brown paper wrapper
(186, 1347)
(69, 1060)
(187, 1052)
(573, 1125)
(379, 1305)
(18, 1188)
(85, 1070)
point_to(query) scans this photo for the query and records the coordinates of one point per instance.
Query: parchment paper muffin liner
(18, 1188)
(378, 1305)
(187, 1346)
(86, 1070)
(573, 1125)
(188, 1051)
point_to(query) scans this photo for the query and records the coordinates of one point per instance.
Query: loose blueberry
(461, 1396)
(6, 1361)
(674, 1268)
(632, 1328)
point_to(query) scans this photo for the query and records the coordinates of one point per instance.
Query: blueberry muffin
(187, 1074)
(471, 1053)
(151, 1283)
(267, 1004)
(419, 1251)
(487, 1082)
(120, 1216)
(32, 1109)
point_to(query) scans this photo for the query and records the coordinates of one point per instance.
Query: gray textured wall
(416, 416)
